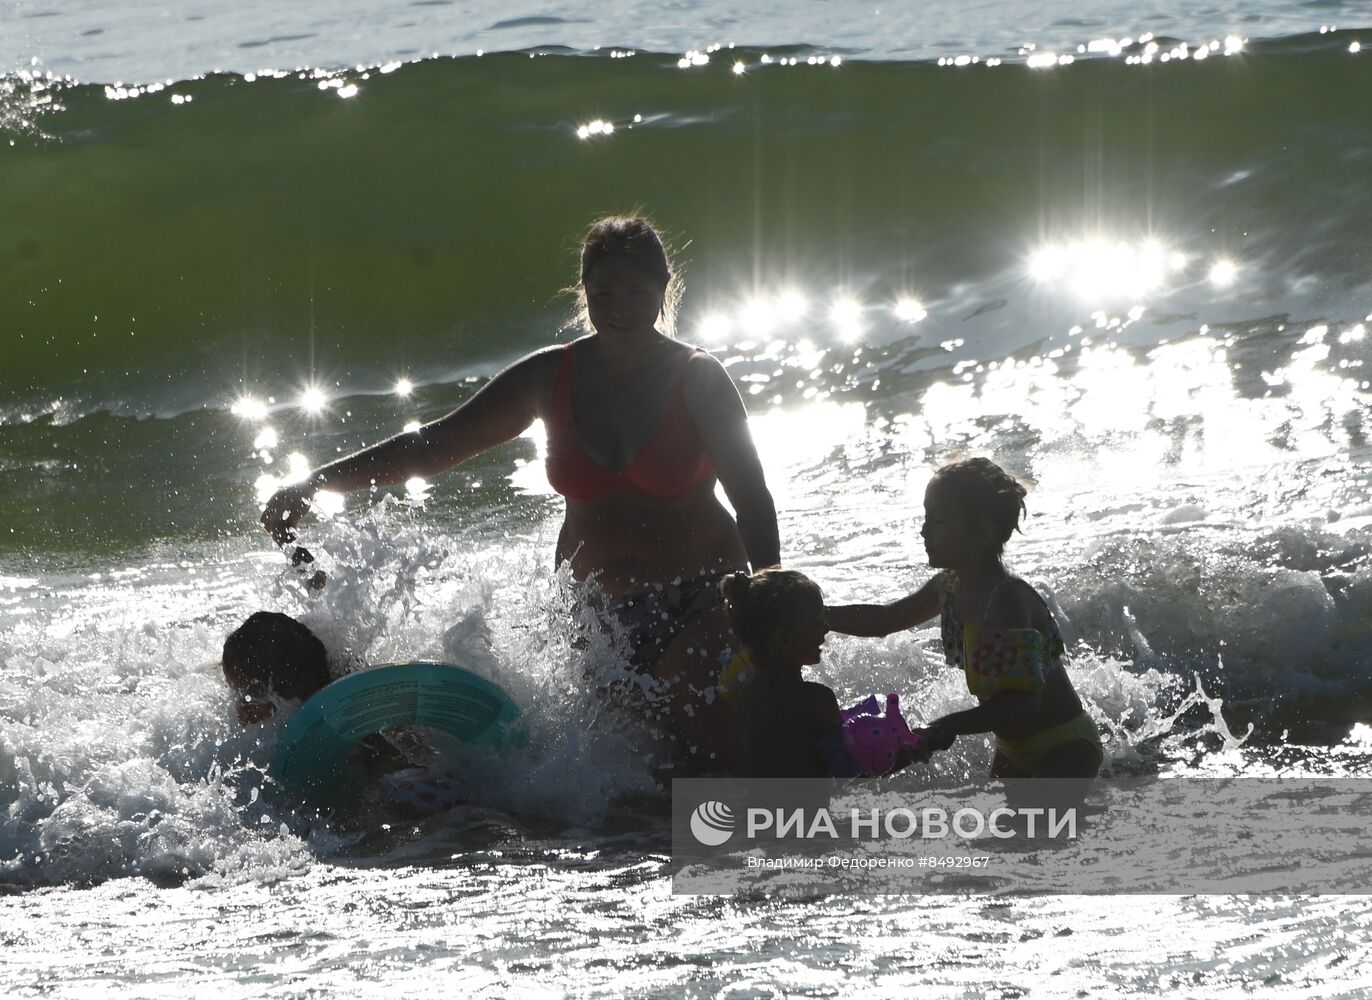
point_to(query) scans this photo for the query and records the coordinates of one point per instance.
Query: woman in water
(640, 427)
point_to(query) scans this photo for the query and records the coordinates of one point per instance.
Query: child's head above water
(778, 614)
(971, 508)
(272, 654)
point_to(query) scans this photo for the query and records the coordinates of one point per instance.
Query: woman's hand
(283, 511)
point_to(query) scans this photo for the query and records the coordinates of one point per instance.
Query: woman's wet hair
(986, 490)
(633, 237)
(272, 652)
(768, 600)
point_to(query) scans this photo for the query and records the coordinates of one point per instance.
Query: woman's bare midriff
(630, 542)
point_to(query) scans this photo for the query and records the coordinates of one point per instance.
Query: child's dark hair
(987, 490)
(628, 236)
(274, 652)
(770, 599)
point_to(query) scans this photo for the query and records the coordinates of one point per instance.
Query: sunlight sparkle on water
(1104, 269)
(909, 310)
(326, 503)
(1181, 408)
(597, 127)
(790, 439)
(715, 329)
(791, 304)
(1223, 273)
(297, 469)
(846, 315)
(249, 408)
(313, 400)
(403, 387)
(758, 316)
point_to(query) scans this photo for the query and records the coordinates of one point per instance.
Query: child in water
(789, 727)
(271, 657)
(778, 615)
(995, 627)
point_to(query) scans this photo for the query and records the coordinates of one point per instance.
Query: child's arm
(874, 620)
(997, 711)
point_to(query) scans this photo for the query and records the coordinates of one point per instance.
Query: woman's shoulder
(544, 359)
(701, 365)
(704, 379)
(538, 369)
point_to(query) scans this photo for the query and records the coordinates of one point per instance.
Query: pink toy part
(873, 740)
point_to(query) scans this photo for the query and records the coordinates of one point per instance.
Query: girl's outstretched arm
(874, 620)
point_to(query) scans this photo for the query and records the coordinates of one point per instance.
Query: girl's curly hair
(987, 490)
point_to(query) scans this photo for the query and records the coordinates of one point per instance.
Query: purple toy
(868, 706)
(873, 740)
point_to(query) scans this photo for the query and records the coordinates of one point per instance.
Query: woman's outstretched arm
(502, 409)
(721, 420)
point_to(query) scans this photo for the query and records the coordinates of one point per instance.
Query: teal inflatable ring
(319, 736)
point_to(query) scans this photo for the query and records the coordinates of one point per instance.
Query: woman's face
(622, 296)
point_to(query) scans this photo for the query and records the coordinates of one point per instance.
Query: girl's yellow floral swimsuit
(1019, 659)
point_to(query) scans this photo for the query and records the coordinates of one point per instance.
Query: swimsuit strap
(1049, 637)
(562, 384)
(992, 596)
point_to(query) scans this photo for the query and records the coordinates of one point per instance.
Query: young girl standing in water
(790, 727)
(779, 616)
(995, 627)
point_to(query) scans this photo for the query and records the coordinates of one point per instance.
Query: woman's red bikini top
(669, 465)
